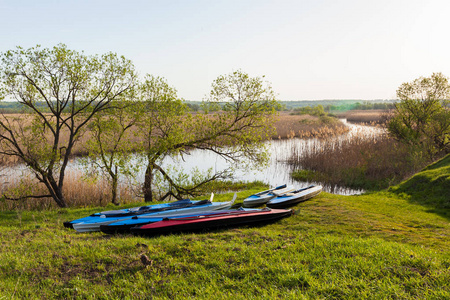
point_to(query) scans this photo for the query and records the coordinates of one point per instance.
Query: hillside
(429, 187)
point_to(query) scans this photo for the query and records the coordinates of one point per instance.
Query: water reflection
(278, 171)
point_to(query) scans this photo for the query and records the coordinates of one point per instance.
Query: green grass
(381, 245)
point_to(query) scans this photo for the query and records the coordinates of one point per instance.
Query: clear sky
(307, 49)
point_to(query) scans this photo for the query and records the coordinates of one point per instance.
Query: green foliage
(318, 111)
(313, 111)
(237, 117)
(365, 105)
(339, 105)
(111, 143)
(61, 90)
(422, 117)
(308, 175)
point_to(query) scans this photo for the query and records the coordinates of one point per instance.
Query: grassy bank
(379, 245)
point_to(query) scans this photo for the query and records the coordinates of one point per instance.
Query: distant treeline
(10, 107)
(366, 105)
(328, 105)
(340, 105)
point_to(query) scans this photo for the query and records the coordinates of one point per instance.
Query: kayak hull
(125, 225)
(255, 200)
(201, 223)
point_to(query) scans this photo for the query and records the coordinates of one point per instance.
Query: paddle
(292, 192)
(305, 188)
(283, 192)
(277, 188)
(234, 198)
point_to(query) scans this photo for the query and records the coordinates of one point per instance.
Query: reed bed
(306, 126)
(78, 190)
(87, 192)
(287, 126)
(358, 161)
(82, 192)
(368, 117)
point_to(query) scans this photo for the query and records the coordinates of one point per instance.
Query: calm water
(276, 173)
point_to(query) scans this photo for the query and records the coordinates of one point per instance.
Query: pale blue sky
(308, 50)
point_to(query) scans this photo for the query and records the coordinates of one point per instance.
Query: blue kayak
(94, 223)
(135, 211)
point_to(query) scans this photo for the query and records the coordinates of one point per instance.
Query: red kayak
(201, 222)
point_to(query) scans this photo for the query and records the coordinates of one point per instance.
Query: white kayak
(265, 196)
(290, 199)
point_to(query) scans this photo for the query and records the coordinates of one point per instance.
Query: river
(276, 173)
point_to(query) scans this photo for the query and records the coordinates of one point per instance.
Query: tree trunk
(114, 187)
(56, 191)
(60, 199)
(147, 189)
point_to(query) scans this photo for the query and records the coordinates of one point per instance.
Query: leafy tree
(111, 143)
(159, 127)
(62, 90)
(243, 116)
(422, 117)
(317, 110)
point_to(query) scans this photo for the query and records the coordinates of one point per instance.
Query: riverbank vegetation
(422, 117)
(359, 162)
(373, 117)
(416, 133)
(87, 187)
(380, 245)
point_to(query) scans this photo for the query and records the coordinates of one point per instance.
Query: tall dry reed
(369, 117)
(306, 126)
(359, 161)
(79, 192)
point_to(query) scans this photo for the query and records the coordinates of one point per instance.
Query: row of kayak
(189, 215)
(148, 214)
